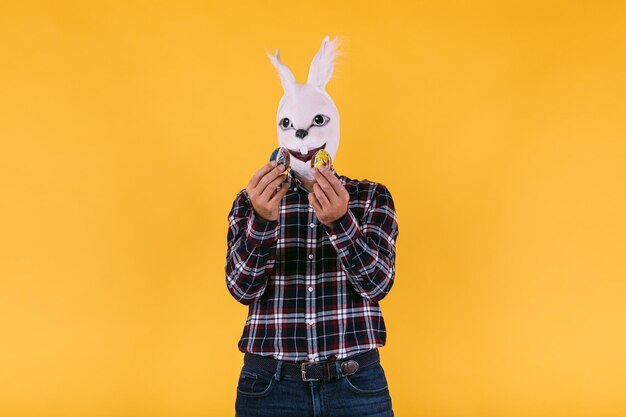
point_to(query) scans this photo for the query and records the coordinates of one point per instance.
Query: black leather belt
(315, 371)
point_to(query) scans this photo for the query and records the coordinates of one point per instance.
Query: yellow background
(127, 128)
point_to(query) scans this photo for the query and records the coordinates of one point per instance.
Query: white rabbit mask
(307, 119)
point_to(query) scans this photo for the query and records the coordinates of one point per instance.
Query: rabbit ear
(286, 76)
(322, 65)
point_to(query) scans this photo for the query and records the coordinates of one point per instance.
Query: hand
(329, 197)
(262, 190)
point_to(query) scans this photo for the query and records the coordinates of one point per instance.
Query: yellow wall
(127, 128)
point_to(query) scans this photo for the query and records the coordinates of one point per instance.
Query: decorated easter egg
(321, 158)
(281, 155)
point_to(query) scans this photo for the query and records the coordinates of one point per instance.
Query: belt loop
(338, 369)
(279, 368)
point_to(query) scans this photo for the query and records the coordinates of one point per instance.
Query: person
(311, 257)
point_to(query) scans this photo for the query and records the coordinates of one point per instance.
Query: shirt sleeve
(367, 251)
(251, 251)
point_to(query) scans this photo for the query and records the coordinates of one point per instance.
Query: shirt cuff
(344, 234)
(261, 233)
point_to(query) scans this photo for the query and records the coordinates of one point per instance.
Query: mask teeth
(304, 150)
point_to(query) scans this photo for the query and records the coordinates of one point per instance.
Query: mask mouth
(308, 155)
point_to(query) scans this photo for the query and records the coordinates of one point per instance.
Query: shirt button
(310, 256)
(333, 237)
(312, 225)
(295, 188)
(310, 289)
(310, 322)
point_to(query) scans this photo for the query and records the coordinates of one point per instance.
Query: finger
(280, 193)
(323, 182)
(333, 180)
(266, 195)
(315, 203)
(254, 181)
(268, 178)
(321, 197)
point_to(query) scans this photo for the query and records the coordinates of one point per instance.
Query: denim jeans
(263, 393)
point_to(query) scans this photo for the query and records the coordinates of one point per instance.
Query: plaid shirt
(312, 292)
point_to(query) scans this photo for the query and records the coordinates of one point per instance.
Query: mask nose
(301, 133)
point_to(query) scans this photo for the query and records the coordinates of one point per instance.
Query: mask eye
(320, 120)
(285, 123)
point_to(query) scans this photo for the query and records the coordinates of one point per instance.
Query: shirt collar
(294, 181)
(291, 177)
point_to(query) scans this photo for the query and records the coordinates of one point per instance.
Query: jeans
(263, 393)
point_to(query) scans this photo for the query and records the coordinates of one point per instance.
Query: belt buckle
(303, 368)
